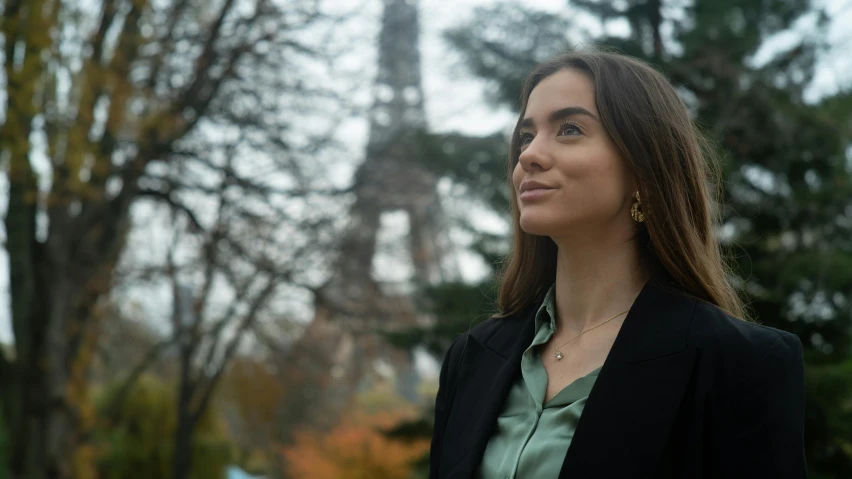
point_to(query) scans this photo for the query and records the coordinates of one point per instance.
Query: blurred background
(239, 235)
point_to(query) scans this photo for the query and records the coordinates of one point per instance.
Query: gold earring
(637, 215)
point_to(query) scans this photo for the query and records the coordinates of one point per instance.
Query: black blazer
(685, 392)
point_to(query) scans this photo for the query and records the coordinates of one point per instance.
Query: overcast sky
(454, 101)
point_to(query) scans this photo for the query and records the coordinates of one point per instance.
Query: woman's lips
(535, 194)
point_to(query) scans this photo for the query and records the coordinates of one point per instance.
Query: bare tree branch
(167, 42)
(232, 345)
(205, 61)
(174, 204)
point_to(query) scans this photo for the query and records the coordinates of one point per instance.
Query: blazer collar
(630, 409)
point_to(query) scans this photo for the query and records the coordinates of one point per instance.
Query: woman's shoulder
(485, 330)
(494, 332)
(751, 379)
(734, 345)
(710, 323)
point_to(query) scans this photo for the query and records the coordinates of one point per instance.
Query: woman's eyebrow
(559, 115)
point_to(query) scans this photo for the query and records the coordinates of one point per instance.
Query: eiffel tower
(392, 177)
(351, 307)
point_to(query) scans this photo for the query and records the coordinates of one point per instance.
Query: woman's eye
(570, 129)
(525, 138)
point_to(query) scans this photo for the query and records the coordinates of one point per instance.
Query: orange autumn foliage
(355, 449)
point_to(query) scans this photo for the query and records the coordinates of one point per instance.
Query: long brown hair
(677, 177)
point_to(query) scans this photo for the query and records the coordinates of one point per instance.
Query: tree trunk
(50, 390)
(182, 458)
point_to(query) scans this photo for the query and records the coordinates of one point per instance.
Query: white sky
(454, 101)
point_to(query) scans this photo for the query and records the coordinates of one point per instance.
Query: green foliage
(504, 65)
(457, 306)
(476, 162)
(139, 443)
(829, 412)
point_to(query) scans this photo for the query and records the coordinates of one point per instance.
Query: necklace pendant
(558, 355)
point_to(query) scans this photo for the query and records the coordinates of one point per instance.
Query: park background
(239, 235)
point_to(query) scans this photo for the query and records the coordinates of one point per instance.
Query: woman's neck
(595, 280)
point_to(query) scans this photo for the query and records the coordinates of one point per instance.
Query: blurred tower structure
(352, 307)
(391, 177)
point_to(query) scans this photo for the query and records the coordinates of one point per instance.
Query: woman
(619, 335)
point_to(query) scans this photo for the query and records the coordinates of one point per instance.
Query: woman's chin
(536, 226)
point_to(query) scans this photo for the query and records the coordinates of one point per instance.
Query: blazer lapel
(632, 406)
(488, 370)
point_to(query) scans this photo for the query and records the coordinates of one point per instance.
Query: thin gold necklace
(558, 354)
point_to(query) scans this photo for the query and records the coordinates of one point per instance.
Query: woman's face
(569, 173)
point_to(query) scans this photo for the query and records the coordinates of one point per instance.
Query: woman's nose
(535, 156)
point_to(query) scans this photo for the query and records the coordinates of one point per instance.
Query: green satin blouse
(531, 437)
